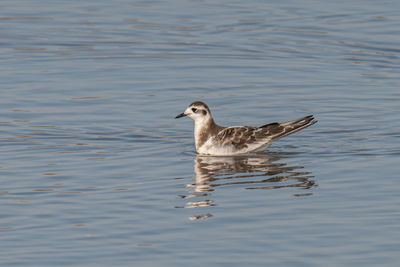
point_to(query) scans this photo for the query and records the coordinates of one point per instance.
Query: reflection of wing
(261, 170)
(244, 136)
(257, 171)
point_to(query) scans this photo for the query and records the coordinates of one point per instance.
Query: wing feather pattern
(247, 137)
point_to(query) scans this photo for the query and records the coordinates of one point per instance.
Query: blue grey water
(95, 170)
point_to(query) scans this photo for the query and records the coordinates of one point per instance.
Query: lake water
(95, 170)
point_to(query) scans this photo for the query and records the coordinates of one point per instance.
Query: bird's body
(216, 140)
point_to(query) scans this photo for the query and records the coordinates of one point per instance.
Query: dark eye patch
(194, 110)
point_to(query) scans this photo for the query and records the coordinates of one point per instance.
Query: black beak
(180, 115)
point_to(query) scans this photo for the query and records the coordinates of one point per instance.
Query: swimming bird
(213, 139)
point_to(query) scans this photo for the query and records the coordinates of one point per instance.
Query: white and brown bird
(212, 139)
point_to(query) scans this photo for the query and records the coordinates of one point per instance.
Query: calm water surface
(95, 170)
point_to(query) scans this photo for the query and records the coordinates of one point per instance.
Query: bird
(215, 140)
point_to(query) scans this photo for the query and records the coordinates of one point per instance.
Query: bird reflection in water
(256, 171)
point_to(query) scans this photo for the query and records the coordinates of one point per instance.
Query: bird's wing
(242, 137)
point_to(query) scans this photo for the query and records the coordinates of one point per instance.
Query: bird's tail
(294, 126)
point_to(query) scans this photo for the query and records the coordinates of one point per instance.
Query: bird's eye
(194, 110)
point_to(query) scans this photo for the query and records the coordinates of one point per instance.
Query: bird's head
(197, 111)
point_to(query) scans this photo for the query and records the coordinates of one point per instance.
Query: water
(95, 170)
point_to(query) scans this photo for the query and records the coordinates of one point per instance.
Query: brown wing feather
(242, 136)
(294, 126)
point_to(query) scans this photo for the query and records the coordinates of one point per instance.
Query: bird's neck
(203, 129)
